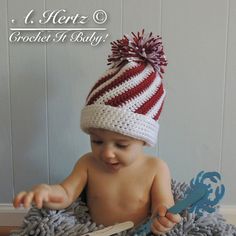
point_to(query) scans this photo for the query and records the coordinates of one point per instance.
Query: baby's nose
(107, 153)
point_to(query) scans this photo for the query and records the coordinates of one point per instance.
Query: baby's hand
(39, 195)
(164, 221)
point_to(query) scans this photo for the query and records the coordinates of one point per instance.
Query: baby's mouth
(114, 165)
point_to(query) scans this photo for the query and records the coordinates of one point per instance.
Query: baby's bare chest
(132, 188)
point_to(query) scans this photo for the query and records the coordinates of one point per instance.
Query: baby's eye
(98, 142)
(122, 145)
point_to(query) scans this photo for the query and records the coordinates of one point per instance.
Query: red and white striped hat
(129, 98)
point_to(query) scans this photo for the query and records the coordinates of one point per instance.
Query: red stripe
(156, 117)
(151, 102)
(125, 76)
(131, 93)
(102, 80)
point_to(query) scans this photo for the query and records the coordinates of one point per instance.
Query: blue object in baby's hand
(193, 197)
(204, 193)
(214, 192)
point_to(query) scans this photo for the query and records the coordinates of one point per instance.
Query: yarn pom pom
(138, 48)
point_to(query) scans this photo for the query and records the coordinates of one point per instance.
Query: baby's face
(115, 151)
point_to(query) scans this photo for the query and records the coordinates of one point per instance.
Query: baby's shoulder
(84, 160)
(155, 162)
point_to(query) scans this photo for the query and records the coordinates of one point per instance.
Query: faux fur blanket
(75, 220)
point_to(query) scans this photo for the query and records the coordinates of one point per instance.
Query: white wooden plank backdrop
(6, 167)
(43, 88)
(229, 126)
(28, 104)
(195, 33)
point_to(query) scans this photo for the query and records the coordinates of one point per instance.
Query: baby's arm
(162, 199)
(57, 196)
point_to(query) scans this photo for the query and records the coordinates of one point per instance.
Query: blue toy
(204, 193)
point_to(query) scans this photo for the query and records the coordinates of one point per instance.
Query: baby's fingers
(28, 199)
(166, 222)
(175, 218)
(162, 225)
(39, 199)
(19, 199)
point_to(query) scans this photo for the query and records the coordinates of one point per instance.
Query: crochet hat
(128, 99)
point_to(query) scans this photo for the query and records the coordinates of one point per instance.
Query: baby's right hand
(39, 195)
(164, 221)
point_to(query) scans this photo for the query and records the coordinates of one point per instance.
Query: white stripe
(108, 72)
(123, 87)
(124, 68)
(154, 110)
(138, 101)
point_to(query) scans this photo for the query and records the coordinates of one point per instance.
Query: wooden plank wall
(43, 88)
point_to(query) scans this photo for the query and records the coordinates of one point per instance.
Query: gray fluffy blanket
(75, 220)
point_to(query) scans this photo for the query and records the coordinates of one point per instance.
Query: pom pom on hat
(139, 48)
(129, 98)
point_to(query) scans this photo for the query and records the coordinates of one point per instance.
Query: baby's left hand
(164, 221)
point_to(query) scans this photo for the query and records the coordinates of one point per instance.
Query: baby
(121, 117)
